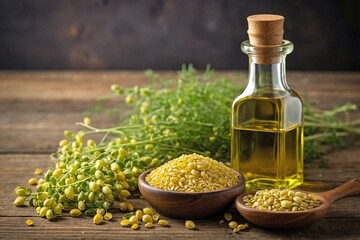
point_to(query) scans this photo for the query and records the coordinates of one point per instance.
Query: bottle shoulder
(272, 95)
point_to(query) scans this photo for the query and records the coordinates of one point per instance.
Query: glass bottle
(267, 117)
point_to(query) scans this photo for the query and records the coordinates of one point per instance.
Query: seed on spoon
(281, 200)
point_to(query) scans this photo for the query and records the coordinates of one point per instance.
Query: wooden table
(36, 107)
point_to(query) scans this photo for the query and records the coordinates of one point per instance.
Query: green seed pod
(87, 121)
(62, 198)
(81, 205)
(58, 209)
(120, 176)
(43, 211)
(97, 219)
(19, 201)
(149, 147)
(115, 167)
(20, 192)
(125, 184)
(106, 190)
(69, 193)
(75, 212)
(48, 202)
(68, 133)
(91, 197)
(128, 174)
(109, 198)
(63, 143)
(99, 174)
(93, 186)
(123, 153)
(49, 214)
(100, 211)
(106, 205)
(125, 194)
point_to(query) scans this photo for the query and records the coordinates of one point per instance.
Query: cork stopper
(266, 35)
(265, 29)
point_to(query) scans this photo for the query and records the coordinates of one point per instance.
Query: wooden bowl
(189, 204)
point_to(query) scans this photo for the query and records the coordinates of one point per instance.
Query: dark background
(158, 34)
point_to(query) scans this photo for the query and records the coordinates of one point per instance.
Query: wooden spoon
(296, 219)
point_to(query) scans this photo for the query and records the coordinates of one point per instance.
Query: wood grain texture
(35, 108)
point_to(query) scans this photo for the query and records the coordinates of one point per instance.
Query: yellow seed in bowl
(192, 173)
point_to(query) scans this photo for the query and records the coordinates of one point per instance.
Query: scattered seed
(189, 224)
(29, 222)
(228, 217)
(148, 211)
(163, 223)
(108, 216)
(135, 226)
(233, 224)
(125, 223)
(149, 225)
(32, 181)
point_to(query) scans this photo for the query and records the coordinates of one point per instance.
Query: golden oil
(267, 117)
(269, 155)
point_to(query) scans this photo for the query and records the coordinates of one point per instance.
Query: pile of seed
(147, 216)
(281, 200)
(192, 173)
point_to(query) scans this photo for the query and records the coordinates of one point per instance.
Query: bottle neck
(267, 66)
(268, 76)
